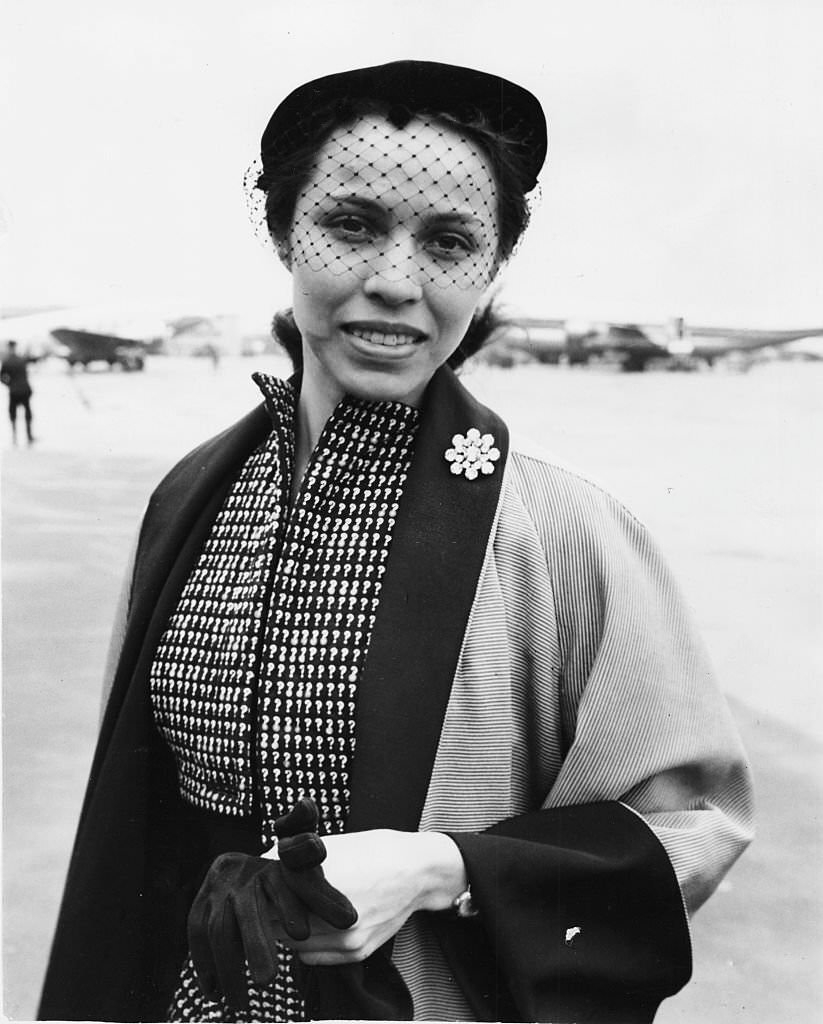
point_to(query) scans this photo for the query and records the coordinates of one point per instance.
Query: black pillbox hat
(420, 86)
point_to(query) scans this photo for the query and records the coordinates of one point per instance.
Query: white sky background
(685, 172)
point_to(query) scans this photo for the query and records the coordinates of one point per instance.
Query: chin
(375, 388)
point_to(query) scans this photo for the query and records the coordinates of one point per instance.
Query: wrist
(443, 877)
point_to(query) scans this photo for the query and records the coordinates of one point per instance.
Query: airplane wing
(85, 347)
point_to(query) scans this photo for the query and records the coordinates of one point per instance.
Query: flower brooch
(472, 455)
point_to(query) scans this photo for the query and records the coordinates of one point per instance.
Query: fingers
(337, 946)
(284, 906)
(200, 947)
(303, 817)
(302, 851)
(348, 947)
(258, 936)
(301, 857)
(247, 904)
(328, 958)
(229, 959)
(226, 928)
(329, 903)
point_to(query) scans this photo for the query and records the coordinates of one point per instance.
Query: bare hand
(387, 875)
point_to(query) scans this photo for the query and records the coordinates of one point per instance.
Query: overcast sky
(685, 172)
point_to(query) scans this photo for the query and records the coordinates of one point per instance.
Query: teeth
(380, 338)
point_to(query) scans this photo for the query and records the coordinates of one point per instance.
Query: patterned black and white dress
(254, 683)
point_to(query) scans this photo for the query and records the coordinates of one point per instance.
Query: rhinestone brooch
(472, 455)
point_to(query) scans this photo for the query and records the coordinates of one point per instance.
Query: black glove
(234, 917)
(371, 990)
(303, 817)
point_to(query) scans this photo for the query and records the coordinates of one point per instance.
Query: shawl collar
(436, 555)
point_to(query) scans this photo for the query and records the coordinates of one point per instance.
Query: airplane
(82, 348)
(632, 345)
(246, 334)
(83, 335)
(121, 336)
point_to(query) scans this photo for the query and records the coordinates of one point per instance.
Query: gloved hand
(244, 901)
(303, 817)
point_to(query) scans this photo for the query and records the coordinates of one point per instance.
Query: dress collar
(281, 396)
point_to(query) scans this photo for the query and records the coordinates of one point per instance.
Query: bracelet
(462, 905)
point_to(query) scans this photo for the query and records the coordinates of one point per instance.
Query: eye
(352, 227)
(451, 244)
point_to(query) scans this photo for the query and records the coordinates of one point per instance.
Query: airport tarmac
(721, 466)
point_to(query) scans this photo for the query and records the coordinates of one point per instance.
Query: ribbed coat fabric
(581, 679)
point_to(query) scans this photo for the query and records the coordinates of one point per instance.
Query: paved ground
(722, 468)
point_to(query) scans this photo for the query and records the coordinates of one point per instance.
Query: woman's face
(393, 243)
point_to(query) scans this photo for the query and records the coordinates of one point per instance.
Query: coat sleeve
(584, 903)
(646, 721)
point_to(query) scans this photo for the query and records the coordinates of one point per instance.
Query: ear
(283, 250)
(495, 273)
(492, 289)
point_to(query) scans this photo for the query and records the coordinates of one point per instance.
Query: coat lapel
(435, 559)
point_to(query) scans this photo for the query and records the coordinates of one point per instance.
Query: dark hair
(287, 171)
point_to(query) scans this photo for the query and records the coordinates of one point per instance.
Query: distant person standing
(213, 352)
(15, 375)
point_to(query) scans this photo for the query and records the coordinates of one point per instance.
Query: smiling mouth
(388, 336)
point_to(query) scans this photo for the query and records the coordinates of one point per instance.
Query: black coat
(120, 938)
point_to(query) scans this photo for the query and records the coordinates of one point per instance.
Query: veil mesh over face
(418, 201)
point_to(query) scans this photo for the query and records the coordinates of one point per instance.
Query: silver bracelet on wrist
(462, 905)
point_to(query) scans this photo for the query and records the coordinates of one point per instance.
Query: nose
(395, 278)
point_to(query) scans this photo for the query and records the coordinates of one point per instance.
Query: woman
(471, 659)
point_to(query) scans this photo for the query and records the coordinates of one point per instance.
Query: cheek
(315, 293)
(454, 308)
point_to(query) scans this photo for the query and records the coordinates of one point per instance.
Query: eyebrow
(459, 216)
(353, 199)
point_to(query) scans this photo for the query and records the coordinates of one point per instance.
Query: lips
(388, 335)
